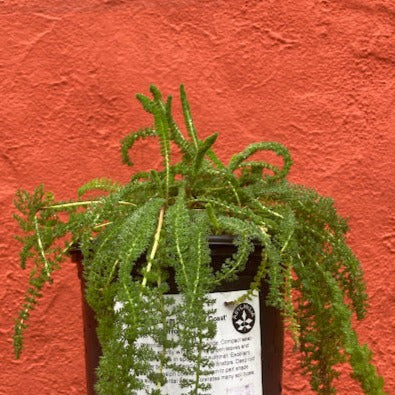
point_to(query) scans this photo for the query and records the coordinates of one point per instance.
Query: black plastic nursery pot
(249, 340)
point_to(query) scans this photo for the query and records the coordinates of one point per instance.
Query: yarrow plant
(134, 236)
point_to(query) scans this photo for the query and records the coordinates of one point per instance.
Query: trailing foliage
(135, 236)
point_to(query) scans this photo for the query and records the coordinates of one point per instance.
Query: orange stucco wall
(315, 75)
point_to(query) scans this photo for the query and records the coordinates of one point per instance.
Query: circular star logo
(243, 317)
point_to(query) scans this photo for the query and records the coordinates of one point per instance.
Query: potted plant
(141, 240)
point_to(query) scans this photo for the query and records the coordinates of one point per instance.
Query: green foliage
(189, 255)
(100, 184)
(130, 139)
(135, 236)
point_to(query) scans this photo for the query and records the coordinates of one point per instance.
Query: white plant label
(237, 358)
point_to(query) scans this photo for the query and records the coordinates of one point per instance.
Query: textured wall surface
(315, 75)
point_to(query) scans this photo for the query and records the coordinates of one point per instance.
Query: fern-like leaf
(265, 146)
(188, 117)
(101, 184)
(128, 142)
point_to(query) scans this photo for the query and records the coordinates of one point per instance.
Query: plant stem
(40, 246)
(155, 246)
(197, 380)
(235, 193)
(84, 203)
(111, 273)
(164, 323)
(101, 225)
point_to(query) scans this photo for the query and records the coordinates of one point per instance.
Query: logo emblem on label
(243, 317)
